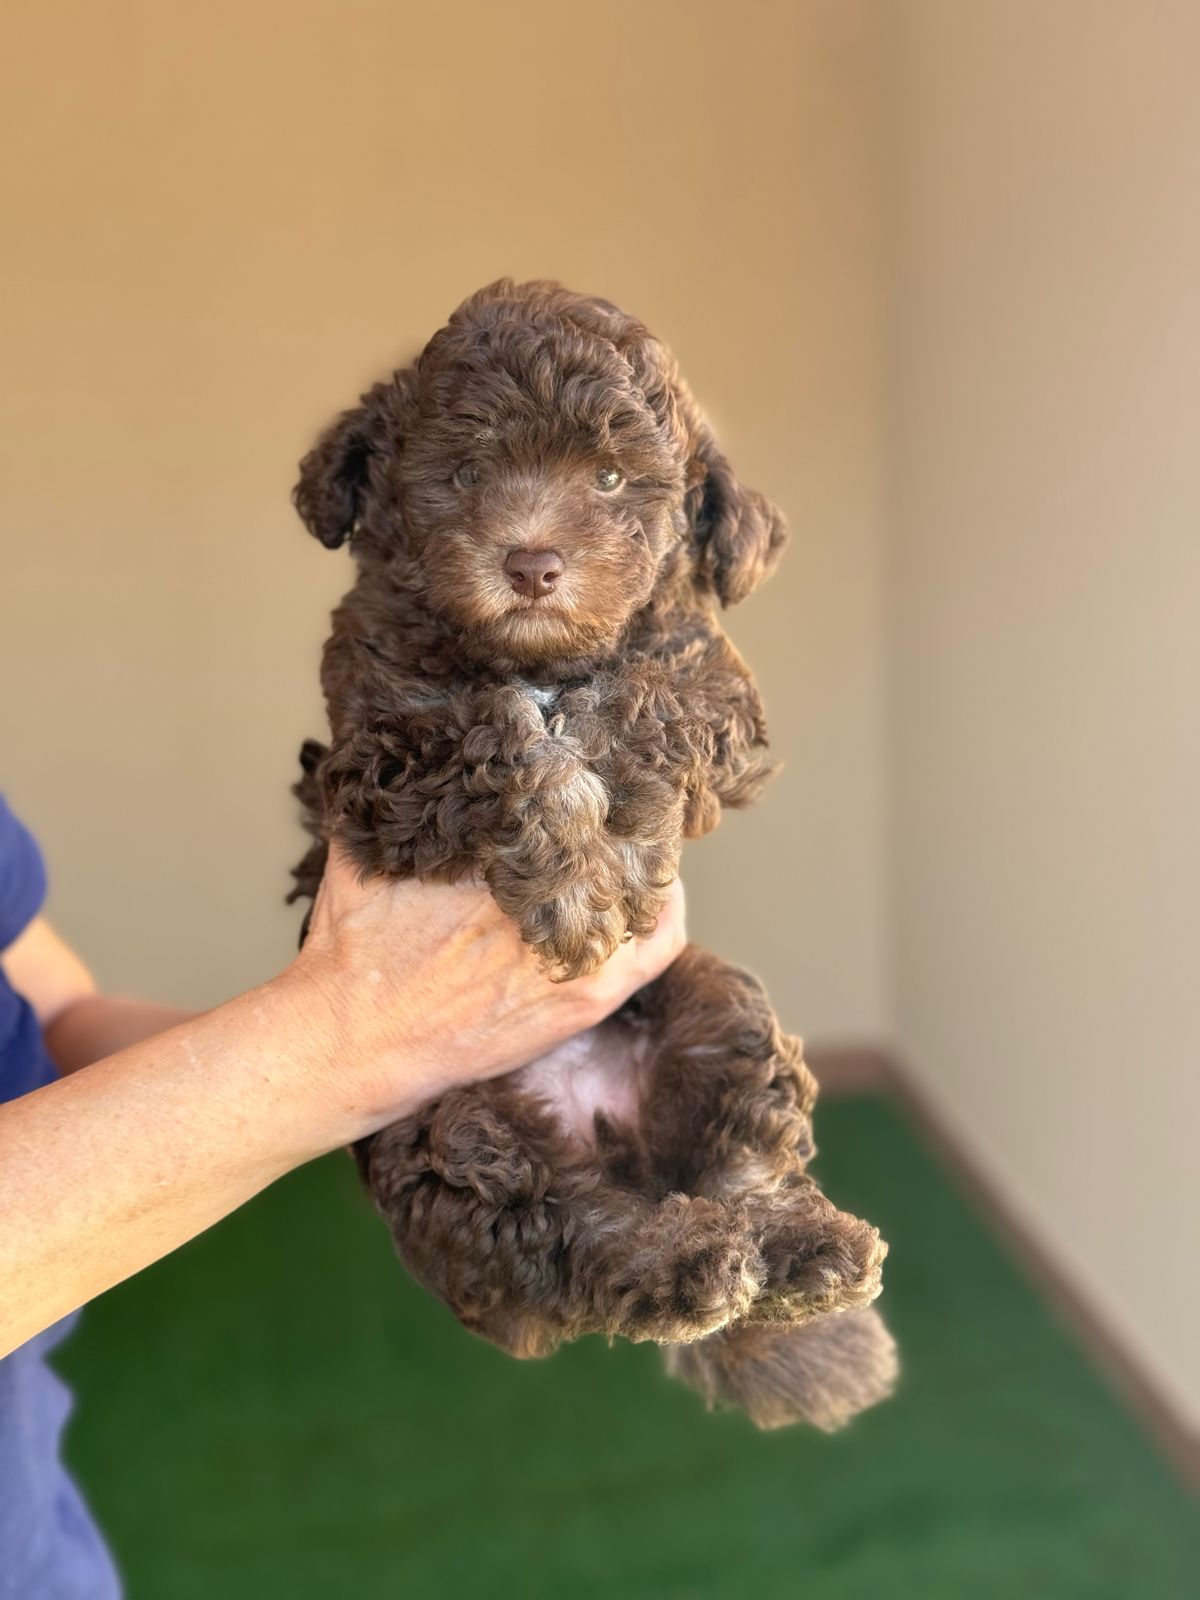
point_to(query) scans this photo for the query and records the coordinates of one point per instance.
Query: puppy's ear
(738, 534)
(336, 475)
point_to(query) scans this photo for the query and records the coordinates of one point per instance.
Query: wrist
(351, 1064)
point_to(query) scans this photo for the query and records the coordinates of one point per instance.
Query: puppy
(528, 682)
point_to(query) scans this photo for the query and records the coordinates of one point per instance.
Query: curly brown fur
(528, 682)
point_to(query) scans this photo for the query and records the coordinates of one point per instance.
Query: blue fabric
(49, 1546)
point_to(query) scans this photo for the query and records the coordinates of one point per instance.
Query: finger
(670, 935)
(338, 871)
(635, 964)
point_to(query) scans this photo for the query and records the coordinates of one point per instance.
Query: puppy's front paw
(573, 933)
(577, 932)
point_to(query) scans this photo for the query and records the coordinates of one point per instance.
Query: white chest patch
(541, 697)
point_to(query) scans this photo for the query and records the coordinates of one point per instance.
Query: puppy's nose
(534, 572)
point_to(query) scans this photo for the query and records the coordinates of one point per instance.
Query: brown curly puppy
(528, 682)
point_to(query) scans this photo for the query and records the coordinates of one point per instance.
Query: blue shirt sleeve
(22, 876)
(49, 1545)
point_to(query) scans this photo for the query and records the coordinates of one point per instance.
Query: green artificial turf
(277, 1410)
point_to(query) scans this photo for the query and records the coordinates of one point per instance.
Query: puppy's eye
(608, 479)
(467, 474)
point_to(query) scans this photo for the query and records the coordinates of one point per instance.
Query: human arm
(79, 1024)
(402, 989)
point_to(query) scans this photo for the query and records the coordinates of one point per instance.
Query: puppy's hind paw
(683, 1273)
(818, 1259)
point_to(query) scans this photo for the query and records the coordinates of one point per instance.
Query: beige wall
(222, 221)
(1043, 167)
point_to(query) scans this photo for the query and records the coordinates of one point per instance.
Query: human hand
(402, 990)
(429, 985)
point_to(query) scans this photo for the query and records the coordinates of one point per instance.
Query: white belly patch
(599, 1070)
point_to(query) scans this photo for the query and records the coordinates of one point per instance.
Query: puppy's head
(535, 477)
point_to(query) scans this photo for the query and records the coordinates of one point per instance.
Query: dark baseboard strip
(868, 1070)
(849, 1070)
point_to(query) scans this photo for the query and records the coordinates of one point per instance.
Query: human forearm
(105, 1171)
(99, 1025)
(401, 991)
(79, 1024)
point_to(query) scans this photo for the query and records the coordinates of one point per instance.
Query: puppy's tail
(822, 1372)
